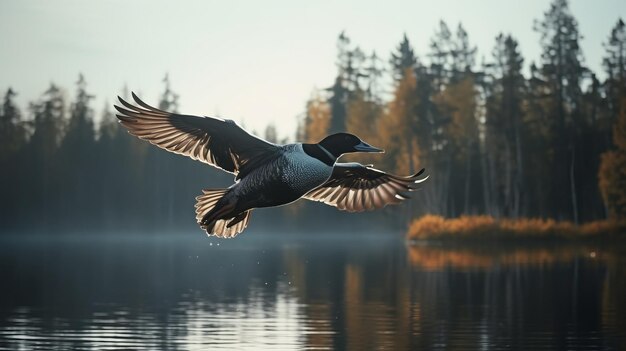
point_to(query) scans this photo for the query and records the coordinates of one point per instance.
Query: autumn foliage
(487, 227)
(432, 258)
(499, 137)
(494, 139)
(613, 170)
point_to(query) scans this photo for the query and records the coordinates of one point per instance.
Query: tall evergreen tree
(462, 53)
(160, 166)
(169, 99)
(615, 67)
(374, 72)
(403, 60)
(48, 120)
(339, 92)
(12, 132)
(562, 71)
(350, 75)
(12, 140)
(441, 47)
(364, 108)
(109, 126)
(80, 129)
(611, 121)
(77, 153)
(455, 115)
(504, 133)
(112, 149)
(459, 103)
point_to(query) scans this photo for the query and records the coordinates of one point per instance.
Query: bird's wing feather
(355, 187)
(217, 142)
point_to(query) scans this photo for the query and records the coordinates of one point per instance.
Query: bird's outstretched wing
(354, 187)
(217, 142)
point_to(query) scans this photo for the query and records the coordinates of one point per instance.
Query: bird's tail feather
(208, 216)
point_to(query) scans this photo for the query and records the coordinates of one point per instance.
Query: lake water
(183, 291)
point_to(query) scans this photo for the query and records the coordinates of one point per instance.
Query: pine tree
(350, 74)
(463, 54)
(169, 99)
(80, 130)
(112, 148)
(441, 47)
(40, 155)
(562, 71)
(434, 80)
(12, 140)
(76, 159)
(455, 137)
(504, 128)
(12, 132)
(160, 166)
(374, 72)
(403, 60)
(615, 66)
(612, 174)
(459, 102)
(109, 126)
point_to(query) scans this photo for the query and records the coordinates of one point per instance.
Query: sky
(256, 62)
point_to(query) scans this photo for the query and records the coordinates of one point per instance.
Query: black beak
(365, 147)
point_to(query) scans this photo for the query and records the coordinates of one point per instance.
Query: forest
(495, 138)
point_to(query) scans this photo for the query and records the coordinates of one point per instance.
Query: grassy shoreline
(475, 228)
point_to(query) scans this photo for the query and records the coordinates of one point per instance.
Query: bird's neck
(319, 152)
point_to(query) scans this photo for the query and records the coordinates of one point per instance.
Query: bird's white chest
(303, 172)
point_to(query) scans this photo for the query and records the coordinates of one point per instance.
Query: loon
(266, 174)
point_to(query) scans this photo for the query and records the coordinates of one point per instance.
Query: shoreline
(431, 228)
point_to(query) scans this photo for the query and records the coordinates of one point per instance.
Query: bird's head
(343, 143)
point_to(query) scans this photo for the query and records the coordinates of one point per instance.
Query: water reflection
(434, 258)
(250, 324)
(262, 292)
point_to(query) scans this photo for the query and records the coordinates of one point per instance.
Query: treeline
(495, 141)
(60, 171)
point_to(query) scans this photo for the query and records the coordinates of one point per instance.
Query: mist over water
(182, 291)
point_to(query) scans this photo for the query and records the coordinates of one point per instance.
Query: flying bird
(266, 174)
